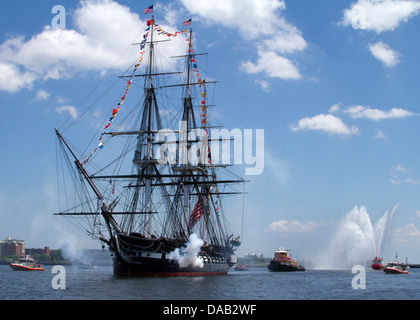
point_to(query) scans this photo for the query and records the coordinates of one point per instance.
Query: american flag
(187, 22)
(197, 213)
(148, 10)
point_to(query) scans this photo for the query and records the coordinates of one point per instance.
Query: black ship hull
(277, 266)
(151, 267)
(132, 261)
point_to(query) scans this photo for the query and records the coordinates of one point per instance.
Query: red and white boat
(396, 267)
(26, 264)
(377, 263)
(240, 267)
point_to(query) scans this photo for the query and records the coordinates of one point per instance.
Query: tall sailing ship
(157, 202)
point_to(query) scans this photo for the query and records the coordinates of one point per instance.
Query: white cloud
(264, 85)
(12, 79)
(260, 21)
(252, 18)
(61, 100)
(358, 111)
(394, 181)
(284, 226)
(384, 53)
(334, 108)
(326, 123)
(399, 168)
(400, 175)
(57, 53)
(104, 29)
(408, 233)
(380, 15)
(380, 134)
(103, 37)
(396, 173)
(286, 41)
(110, 25)
(72, 111)
(42, 95)
(273, 66)
(332, 124)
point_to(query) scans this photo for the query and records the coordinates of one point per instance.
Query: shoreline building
(31, 251)
(12, 247)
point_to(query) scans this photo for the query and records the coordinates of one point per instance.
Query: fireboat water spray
(357, 240)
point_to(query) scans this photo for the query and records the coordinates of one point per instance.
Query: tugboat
(396, 267)
(282, 262)
(377, 263)
(26, 264)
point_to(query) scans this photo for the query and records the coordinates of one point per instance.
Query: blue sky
(334, 85)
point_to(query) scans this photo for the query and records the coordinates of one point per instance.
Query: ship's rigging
(159, 188)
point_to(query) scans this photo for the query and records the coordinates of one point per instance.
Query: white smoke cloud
(189, 255)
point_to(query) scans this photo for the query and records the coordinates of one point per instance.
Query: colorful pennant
(136, 66)
(121, 101)
(160, 31)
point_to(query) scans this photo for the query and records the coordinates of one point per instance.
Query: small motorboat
(240, 267)
(395, 267)
(26, 264)
(86, 265)
(396, 270)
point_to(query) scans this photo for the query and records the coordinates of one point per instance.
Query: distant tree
(9, 258)
(56, 256)
(42, 258)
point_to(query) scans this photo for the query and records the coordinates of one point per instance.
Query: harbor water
(254, 284)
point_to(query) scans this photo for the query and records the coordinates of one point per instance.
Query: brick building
(12, 247)
(31, 251)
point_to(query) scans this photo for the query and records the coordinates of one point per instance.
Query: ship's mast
(166, 193)
(188, 115)
(149, 99)
(144, 156)
(189, 64)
